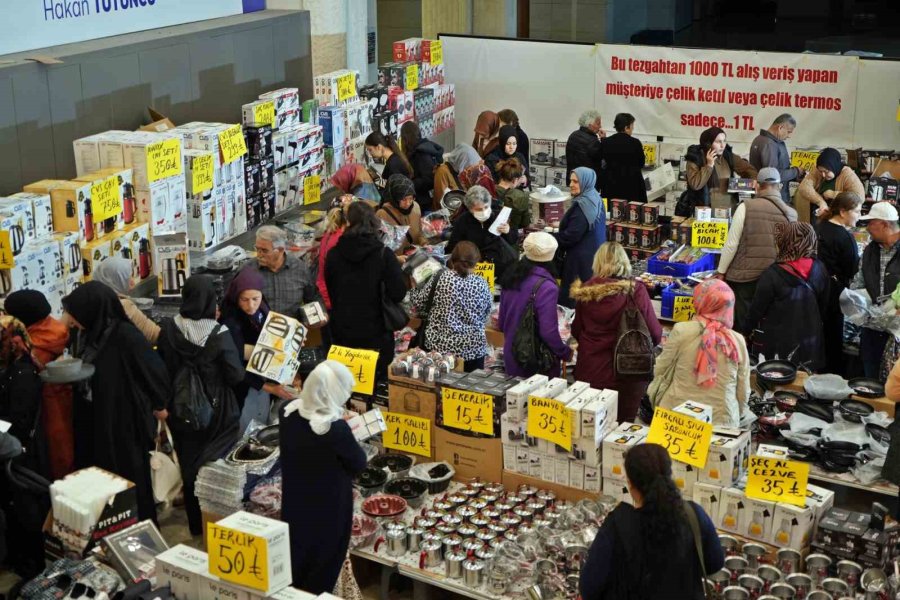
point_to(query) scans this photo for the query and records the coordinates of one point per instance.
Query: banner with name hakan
(679, 92)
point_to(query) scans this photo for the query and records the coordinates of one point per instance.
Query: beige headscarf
(324, 394)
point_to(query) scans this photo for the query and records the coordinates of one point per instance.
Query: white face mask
(484, 215)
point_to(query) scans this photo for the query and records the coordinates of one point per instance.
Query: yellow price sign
(232, 144)
(685, 439)
(436, 48)
(805, 159)
(202, 173)
(649, 154)
(412, 77)
(238, 557)
(312, 189)
(361, 364)
(777, 480)
(469, 411)
(550, 420)
(6, 254)
(683, 308)
(164, 159)
(407, 434)
(106, 199)
(346, 85)
(709, 234)
(264, 113)
(486, 270)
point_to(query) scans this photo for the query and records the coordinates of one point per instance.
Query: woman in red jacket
(335, 223)
(598, 310)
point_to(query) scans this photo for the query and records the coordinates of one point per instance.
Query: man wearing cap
(750, 246)
(769, 150)
(881, 274)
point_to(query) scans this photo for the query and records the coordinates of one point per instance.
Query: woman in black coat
(194, 338)
(473, 225)
(424, 155)
(581, 232)
(509, 117)
(623, 159)
(113, 420)
(507, 148)
(357, 269)
(791, 297)
(319, 458)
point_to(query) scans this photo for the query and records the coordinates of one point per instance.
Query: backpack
(192, 408)
(634, 356)
(529, 351)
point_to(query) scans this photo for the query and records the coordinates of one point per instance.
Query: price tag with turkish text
(683, 308)
(232, 144)
(163, 160)
(650, 154)
(264, 113)
(361, 364)
(202, 173)
(106, 199)
(407, 434)
(709, 234)
(777, 480)
(412, 77)
(312, 189)
(238, 557)
(6, 254)
(685, 439)
(805, 159)
(346, 86)
(486, 270)
(550, 420)
(436, 47)
(469, 411)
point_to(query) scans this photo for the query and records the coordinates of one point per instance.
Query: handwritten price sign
(683, 309)
(550, 420)
(202, 173)
(412, 77)
(164, 160)
(312, 189)
(805, 159)
(361, 363)
(709, 234)
(650, 154)
(238, 557)
(469, 411)
(436, 47)
(486, 270)
(264, 113)
(6, 254)
(106, 198)
(777, 480)
(407, 434)
(346, 85)
(685, 439)
(231, 142)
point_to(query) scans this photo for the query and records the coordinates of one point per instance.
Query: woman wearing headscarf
(507, 149)
(705, 360)
(194, 339)
(581, 232)
(446, 175)
(478, 174)
(709, 167)
(114, 425)
(791, 297)
(486, 129)
(508, 116)
(400, 209)
(461, 158)
(49, 337)
(355, 180)
(319, 458)
(830, 177)
(116, 272)
(335, 223)
(424, 156)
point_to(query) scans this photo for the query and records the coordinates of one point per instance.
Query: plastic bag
(801, 423)
(827, 387)
(845, 431)
(393, 236)
(859, 309)
(434, 224)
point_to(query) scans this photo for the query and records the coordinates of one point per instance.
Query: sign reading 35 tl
(34, 24)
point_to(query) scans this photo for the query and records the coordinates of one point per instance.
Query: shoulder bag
(165, 474)
(395, 317)
(694, 524)
(530, 351)
(419, 340)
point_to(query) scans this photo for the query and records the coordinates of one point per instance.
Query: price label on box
(407, 434)
(486, 270)
(346, 86)
(436, 47)
(202, 173)
(550, 420)
(805, 159)
(469, 411)
(6, 254)
(264, 113)
(709, 234)
(777, 480)
(232, 144)
(683, 308)
(238, 557)
(684, 438)
(361, 364)
(106, 199)
(312, 189)
(649, 154)
(412, 77)
(163, 160)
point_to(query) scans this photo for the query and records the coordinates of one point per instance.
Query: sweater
(750, 246)
(808, 198)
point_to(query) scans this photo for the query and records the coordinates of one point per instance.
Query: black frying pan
(878, 433)
(867, 388)
(854, 410)
(815, 409)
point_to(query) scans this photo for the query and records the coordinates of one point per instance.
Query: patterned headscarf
(485, 129)
(794, 241)
(14, 340)
(714, 303)
(478, 174)
(349, 177)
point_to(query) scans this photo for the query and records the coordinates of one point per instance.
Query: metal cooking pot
(491, 512)
(801, 582)
(467, 530)
(737, 565)
(516, 499)
(498, 528)
(453, 564)
(751, 583)
(575, 557)
(817, 568)
(873, 581)
(472, 544)
(485, 535)
(466, 512)
(783, 591)
(414, 537)
(489, 497)
(788, 560)
(836, 587)
(478, 503)
(819, 595)
(396, 542)
(546, 496)
(734, 592)
(452, 543)
(718, 581)
(503, 505)
(446, 528)
(432, 534)
(479, 520)
(769, 575)
(424, 522)
(432, 554)
(494, 488)
(526, 490)
(729, 545)
(473, 572)
(850, 572)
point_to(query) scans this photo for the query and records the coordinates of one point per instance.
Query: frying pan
(854, 410)
(784, 372)
(787, 400)
(864, 382)
(815, 409)
(878, 433)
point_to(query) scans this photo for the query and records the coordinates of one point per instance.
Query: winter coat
(787, 311)
(871, 270)
(466, 228)
(675, 379)
(49, 338)
(577, 246)
(513, 302)
(583, 149)
(623, 159)
(700, 181)
(520, 203)
(756, 247)
(808, 196)
(328, 242)
(413, 220)
(424, 158)
(766, 150)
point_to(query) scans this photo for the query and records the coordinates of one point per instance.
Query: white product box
(571, 393)
(819, 499)
(614, 447)
(548, 467)
(731, 510)
(792, 526)
(55, 292)
(23, 211)
(173, 262)
(559, 153)
(202, 223)
(288, 593)
(72, 281)
(153, 207)
(538, 175)
(726, 459)
(592, 479)
(616, 488)
(708, 496)
(70, 252)
(213, 588)
(184, 570)
(509, 458)
(87, 154)
(772, 451)
(193, 158)
(136, 154)
(142, 265)
(535, 463)
(512, 431)
(632, 429)
(274, 535)
(92, 254)
(659, 179)
(695, 410)
(561, 471)
(576, 474)
(685, 477)
(120, 243)
(42, 212)
(541, 151)
(283, 98)
(556, 176)
(522, 460)
(756, 519)
(112, 149)
(248, 113)
(517, 396)
(276, 353)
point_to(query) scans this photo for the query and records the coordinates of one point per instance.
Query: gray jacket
(768, 151)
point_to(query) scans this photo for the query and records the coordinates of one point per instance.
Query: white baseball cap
(884, 211)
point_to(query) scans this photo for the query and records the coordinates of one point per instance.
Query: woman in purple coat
(534, 275)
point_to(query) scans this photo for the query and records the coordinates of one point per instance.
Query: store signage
(361, 364)
(264, 113)
(6, 254)
(550, 420)
(232, 144)
(312, 189)
(649, 154)
(437, 52)
(202, 173)
(469, 411)
(106, 199)
(31, 24)
(804, 159)
(683, 308)
(709, 234)
(486, 270)
(777, 480)
(238, 557)
(164, 159)
(412, 76)
(346, 85)
(685, 439)
(407, 434)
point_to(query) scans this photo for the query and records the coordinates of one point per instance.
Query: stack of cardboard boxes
(547, 163)
(345, 116)
(869, 539)
(636, 226)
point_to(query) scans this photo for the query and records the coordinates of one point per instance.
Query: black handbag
(395, 317)
(419, 340)
(530, 351)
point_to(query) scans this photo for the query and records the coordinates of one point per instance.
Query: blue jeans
(256, 407)
(871, 349)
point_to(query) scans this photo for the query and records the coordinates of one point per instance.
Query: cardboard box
(274, 535)
(142, 265)
(561, 470)
(214, 588)
(276, 353)
(757, 519)
(559, 153)
(288, 593)
(685, 477)
(202, 230)
(727, 459)
(70, 251)
(535, 463)
(614, 447)
(469, 456)
(541, 151)
(592, 479)
(87, 153)
(173, 263)
(819, 499)
(576, 474)
(792, 526)
(517, 396)
(616, 488)
(41, 213)
(707, 495)
(695, 410)
(184, 570)
(92, 254)
(731, 510)
(408, 50)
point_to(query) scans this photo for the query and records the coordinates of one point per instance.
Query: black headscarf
(399, 187)
(198, 298)
(709, 136)
(28, 306)
(98, 309)
(831, 160)
(506, 132)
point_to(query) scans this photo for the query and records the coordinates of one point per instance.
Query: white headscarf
(324, 394)
(116, 273)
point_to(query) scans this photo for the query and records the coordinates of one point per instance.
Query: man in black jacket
(881, 274)
(623, 159)
(583, 147)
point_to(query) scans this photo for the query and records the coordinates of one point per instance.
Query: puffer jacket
(424, 158)
(49, 338)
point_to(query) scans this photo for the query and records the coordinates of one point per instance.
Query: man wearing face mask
(399, 208)
(474, 224)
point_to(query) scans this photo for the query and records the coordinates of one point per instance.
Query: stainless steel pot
(489, 497)
(801, 582)
(516, 499)
(497, 527)
(466, 512)
(751, 583)
(491, 512)
(737, 566)
(753, 553)
(446, 528)
(575, 557)
(494, 488)
(453, 564)
(424, 522)
(478, 503)
(783, 591)
(546, 496)
(473, 572)
(535, 506)
(526, 490)
(836, 587)
(817, 568)
(396, 542)
(729, 545)
(511, 519)
(452, 543)
(503, 505)
(479, 520)
(850, 572)
(873, 582)
(769, 575)
(788, 560)
(467, 530)
(472, 544)
(819, 595)
(485, 535)
(718, 581)
(414, 537)
(735, 592)
(432, 554)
